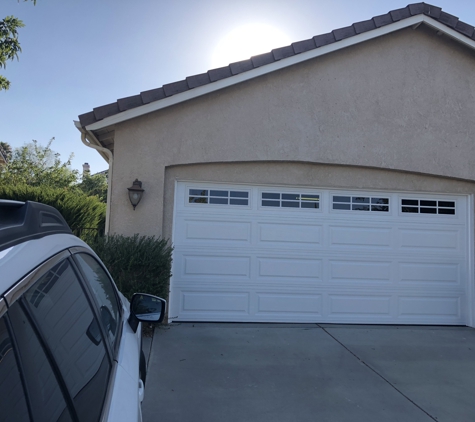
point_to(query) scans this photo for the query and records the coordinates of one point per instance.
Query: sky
(81, 54)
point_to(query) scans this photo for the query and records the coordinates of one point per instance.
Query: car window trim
(3, 307)
(17, 291)
(94, 307)
(113, 354)
(82, 249)
(77, 250)
(110, 392)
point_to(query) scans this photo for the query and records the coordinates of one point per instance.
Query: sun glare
(246, 41)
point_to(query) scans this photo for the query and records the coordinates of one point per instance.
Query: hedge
(136, 263)
(79, 210)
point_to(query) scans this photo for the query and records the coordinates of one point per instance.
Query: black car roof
(21, 221)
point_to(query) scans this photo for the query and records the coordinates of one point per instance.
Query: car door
(127, 390)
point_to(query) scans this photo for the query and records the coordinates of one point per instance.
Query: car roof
(21, 221)
(19, 260)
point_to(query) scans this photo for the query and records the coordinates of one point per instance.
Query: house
(331, 180)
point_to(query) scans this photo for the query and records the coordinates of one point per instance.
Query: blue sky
(80, 54)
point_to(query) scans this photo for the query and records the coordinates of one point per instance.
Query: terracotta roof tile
(343, 33)
(129, 102)
(220, 73)
(87, 118)
(106, 110)
(175, 88)
(262, 59)
(324, 39)
(448, 20)
(434, 11)
(283, 52)
(213, 75)
(399, 14)
(242, 66)
(364, 26)
(382, 20)
(464, 28)
(152, 95)
(418, 8)
(198, 80)
(305, 45)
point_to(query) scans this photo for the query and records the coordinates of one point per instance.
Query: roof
(21, 221)
(283, 54)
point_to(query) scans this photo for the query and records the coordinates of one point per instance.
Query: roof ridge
(275, 55)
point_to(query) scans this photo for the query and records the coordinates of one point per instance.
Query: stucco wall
(404, 102)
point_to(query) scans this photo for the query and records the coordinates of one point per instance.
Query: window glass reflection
(69, 327)
(12, 396)
(46, 398)
(105, 294)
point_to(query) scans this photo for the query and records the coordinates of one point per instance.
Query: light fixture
(135, 193)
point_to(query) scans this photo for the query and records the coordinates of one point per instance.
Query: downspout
(88, 143)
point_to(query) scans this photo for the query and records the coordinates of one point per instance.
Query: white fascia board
(449, 32)
(272, 67)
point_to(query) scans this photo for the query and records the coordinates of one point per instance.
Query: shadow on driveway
(309, 372)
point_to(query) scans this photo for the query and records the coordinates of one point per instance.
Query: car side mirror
(146, 308)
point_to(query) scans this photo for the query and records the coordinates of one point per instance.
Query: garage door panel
(360, 271)
(216, 266)
(290, 235)
(439, 273)
(361, 305)
(210, 302)
(430, 239)
(213, 232)
(360, 237)
(310, 269)
(289, 303)
(430, 307)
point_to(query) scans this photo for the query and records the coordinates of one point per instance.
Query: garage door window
(218, 197)
(360, 203)
(290, 200)
(427, 206)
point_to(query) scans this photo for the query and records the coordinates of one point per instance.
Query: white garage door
(256, 253)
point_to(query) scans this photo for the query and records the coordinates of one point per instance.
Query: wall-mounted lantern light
(135, 193)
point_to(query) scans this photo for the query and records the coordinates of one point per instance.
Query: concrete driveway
(316, 373)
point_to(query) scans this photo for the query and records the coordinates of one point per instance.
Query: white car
(70, 343)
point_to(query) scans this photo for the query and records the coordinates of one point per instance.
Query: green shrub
(136, 263)
(84, 214)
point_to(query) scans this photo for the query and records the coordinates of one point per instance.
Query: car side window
(105, 293)
(12, 395)
(46, 398)
(69, 328)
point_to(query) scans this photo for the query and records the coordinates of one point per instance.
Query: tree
(5, 152)
(9, 44)
(35, 165)
(95, 185)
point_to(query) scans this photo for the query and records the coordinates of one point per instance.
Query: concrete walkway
(314, 373)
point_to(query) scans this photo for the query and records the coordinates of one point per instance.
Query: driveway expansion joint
(378, 374)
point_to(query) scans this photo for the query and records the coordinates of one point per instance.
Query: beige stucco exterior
(393, 113)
